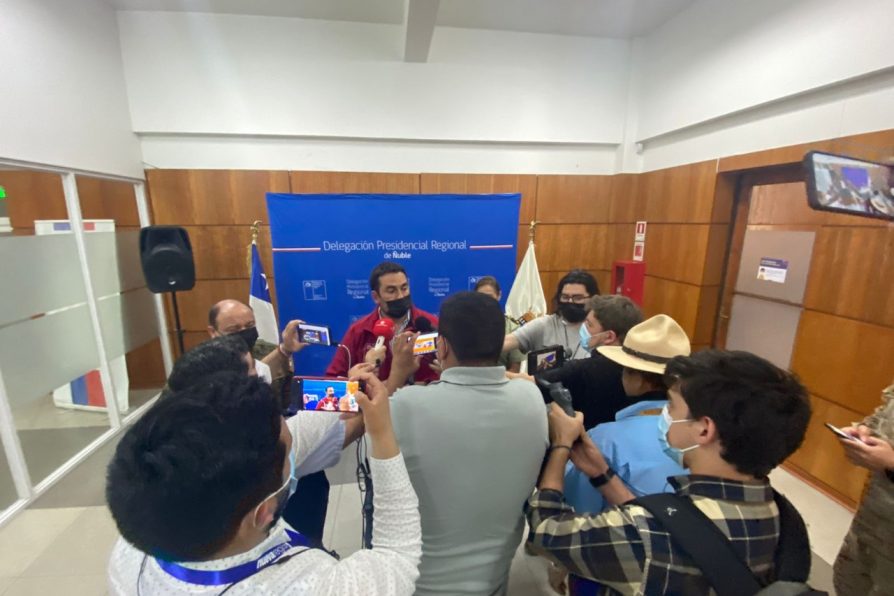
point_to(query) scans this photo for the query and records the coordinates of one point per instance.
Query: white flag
(259, 300)
(526, 296)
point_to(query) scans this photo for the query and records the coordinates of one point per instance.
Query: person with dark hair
(473, 443)
(273, 362)
(511, 360)
(595, 382)
(390, 290)
(731, 417)
(197, 486)
(321, 438)
(563, 326)
(219, 354)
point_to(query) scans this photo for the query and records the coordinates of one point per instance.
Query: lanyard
(233, 574)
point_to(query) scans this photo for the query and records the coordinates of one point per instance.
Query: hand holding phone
(843, 434)
(314, 334)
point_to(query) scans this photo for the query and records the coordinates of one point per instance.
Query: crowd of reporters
(208, 487)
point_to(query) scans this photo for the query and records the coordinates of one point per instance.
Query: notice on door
(772, 270)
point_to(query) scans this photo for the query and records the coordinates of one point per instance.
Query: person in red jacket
(390, 290)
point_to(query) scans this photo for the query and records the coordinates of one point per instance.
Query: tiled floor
(53, 548)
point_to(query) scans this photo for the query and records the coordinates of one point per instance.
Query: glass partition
(48, 352)
(126, 307)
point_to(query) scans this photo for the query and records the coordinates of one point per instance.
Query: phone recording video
(314, 334)
(846, 185)
(327, 395)
(545, 359)
(425, 344)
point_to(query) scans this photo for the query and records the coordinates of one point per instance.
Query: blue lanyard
(233, 574)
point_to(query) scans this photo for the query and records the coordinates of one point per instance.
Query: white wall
(337, 95)
(721, 78)
(63, 100)
(727, 77)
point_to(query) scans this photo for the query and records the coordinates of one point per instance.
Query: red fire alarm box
(629, 279)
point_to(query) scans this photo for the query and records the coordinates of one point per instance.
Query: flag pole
(255, 232)
(532, 231)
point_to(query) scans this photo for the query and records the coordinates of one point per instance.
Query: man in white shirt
(197, 485)
(473, 443)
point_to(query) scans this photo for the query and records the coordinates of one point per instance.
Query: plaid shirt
(629, 551)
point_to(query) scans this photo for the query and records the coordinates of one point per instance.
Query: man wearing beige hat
(630, 444)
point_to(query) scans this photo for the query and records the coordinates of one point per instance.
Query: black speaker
(166, 255)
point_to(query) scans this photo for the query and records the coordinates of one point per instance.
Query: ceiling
(597, 18)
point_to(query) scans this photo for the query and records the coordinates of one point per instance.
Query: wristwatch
(598, 481)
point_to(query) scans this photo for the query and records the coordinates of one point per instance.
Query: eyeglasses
(576, 298)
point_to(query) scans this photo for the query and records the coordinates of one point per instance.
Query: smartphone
(545, 359)
(425, 344)
(314, 334)
(322, 394)
(846, 185)
(841, 433)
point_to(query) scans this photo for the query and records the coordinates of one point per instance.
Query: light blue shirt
(630, 446)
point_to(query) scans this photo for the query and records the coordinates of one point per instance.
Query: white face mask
(664, 423)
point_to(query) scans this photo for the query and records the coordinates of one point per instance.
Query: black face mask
(398, 308)
(571, 312)
(249, 336)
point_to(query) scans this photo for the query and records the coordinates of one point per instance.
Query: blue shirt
(630, 446)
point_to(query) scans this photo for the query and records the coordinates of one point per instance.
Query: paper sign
(639, 249)
(640, 233)
(772, 270)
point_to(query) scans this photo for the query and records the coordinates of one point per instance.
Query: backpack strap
(703, 541)
(792, 556)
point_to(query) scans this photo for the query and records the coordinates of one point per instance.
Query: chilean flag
(259, 300)
(85, 391)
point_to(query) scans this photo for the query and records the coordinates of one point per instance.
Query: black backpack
(712, 552)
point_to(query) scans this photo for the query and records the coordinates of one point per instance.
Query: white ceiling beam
(421, 17)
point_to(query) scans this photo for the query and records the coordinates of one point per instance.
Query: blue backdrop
(324, 247)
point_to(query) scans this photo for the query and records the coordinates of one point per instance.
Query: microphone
(383, 329)
(423, 325)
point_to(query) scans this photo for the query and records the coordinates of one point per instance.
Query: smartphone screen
(314, 334)
(841, 433)
(545, 359)
(846, 185)
(327, 395)
(425, 344)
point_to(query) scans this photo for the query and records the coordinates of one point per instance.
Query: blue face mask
(664, 423)
(584, 337)
(291, 483)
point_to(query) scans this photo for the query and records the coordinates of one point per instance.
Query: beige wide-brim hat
(650, 345)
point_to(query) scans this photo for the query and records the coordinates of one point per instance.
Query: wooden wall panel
(108, 199)
(684, 194)
(724, 198)
(716, 257)
(872, 146)
(619, 245)
(566, 247)
(772, 157)
(624, 206)
(194, 305)
(221, 252)
(212, 197)
(573, 199)
(31, 196)
(844, 361)
(677, 251)
(675, 299)
(852, 272)
(485, 184)
(145, 366)
(821, 457)
(353, 182)
(782, 204)
(706, 316)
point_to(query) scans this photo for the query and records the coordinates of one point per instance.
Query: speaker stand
(177, 326)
